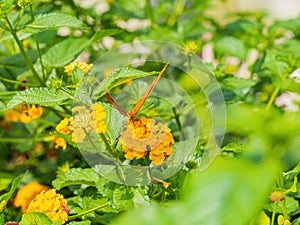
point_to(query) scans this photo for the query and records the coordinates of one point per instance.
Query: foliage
(255, 178)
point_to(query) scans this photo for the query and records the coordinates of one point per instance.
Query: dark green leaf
(86, 222)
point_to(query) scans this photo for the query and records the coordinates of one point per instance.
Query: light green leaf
(234, 147)
(103, 33)
(117, 77)
(14, 186)
(37, 218)
(231, 46)
(42, 96)
(235, 82)
(53, 21)
(264, 219)
(86, 222)
(64, 52)
(76, 176)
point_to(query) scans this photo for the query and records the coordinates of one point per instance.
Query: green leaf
(291, 25)
(240, 83)
(36, 218)
(42, 96)
(86, 222)
(64, 52)
(76, 176)
(231, 46)
(52, 21)
(103, 33)
(117, 77)
(15, 183)
(2, 218)
(234, 147)
(5, 180)
(264, 219)
(212, 192)
(274, 63)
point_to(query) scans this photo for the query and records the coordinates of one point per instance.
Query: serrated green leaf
(36, 218)
(103, 33)
(53, 21)
(234, 147)
(231, 46)
(64, 52)
(117, 77)
(42, 96)
(76, 176)
(14, 186)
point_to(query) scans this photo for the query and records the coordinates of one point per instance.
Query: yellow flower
(191, 46)
(35, 111)
(27, 193)
(24, 3)
(59, 142)
(81, 65)
(52, 204)
(12, 116)
(65, 126)
(85, 120)
(23, 114)
(143, 135)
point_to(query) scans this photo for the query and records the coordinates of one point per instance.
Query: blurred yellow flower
(23, 113)
(52, 204)
(85, 120)
(27, 193)
(81, 65)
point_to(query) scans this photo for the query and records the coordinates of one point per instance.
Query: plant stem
(87, 211)
(24, 54)
(21, 140)
(38, 46)
(284, 209)
(272, 99)
(274, 213)
(18, 82)
(149, 12)
(178, 8)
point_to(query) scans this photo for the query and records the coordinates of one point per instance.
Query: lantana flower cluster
(52, 204)
(23, 113)
(85, 67)
(85, 120)
(145, 135)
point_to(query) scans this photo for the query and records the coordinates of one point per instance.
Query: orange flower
(143, 135)
(59, 142)
(23, 114)
(52, 204)
(27, 193)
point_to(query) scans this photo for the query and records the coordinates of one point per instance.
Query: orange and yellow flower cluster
(27, 193)
(23, 113)
(144, 135)
(85, 120)
(52, 204)
(80, 65)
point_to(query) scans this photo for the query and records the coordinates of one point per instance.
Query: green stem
(38, 46)
(178, 8)
(272, 99)
(87, 211)
(66, 91)
(284, 209)
(21, 140)
(23, 52)
(111, 151)
(18, 82)
(274, 213)
(149, 12)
